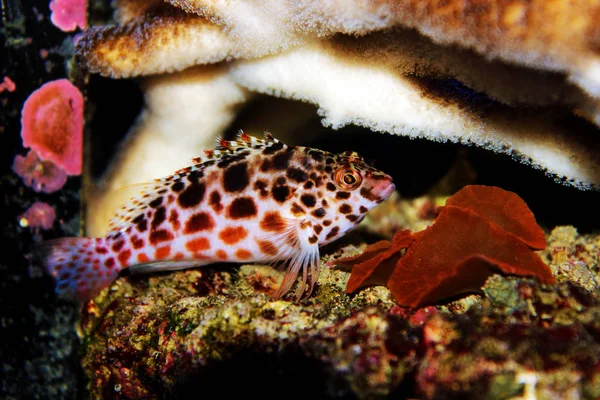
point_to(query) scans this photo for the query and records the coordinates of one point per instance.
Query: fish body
(249, 200)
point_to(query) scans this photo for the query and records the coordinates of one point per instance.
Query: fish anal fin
(164, 265)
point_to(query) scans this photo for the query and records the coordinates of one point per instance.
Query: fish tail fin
(82, 267)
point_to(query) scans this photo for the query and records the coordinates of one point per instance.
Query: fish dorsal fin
(227, 148)
(199, 163)
(141, 195)
(245, 141)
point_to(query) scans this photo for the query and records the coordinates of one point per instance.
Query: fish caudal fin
(82, 267)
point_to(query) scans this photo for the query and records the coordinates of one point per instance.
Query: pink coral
(8, 85)
(67, 15)
(52, 124)
(39, 215)
(41, 176)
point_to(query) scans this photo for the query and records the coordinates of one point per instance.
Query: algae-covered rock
(216, 330)
(574, 257)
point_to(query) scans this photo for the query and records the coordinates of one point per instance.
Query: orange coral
(481, 230)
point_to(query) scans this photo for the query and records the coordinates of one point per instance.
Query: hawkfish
(250, 200)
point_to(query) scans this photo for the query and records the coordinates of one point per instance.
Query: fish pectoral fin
(295, 247)
(164, 265)
(307, 260)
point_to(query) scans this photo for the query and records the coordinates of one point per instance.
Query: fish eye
(347, 178)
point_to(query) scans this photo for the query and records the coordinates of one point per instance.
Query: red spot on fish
(174, 219)
(118, 245)
(179, 256)
(233, 234)
(272, 222)
(221, 254)
(199, 222)
(109, 263)
(124, 257)
(192, 195)
(141, 223)
(243, 254)
(162, 252)
(142, 258)
(215, 201)
(242, 207)
(159, 217)
(198, 244)
(267, 247)
(481, 230)
(160, 236)
(101, 250)
(137, 242)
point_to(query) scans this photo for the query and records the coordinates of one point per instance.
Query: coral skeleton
(503, 76)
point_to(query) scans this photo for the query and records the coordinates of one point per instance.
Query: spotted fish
(249, 200)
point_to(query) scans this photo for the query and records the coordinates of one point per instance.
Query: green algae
(503, 386)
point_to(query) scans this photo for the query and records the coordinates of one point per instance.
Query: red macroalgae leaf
(376, 263)
(480, 231)
(505, 209)
(456, 255)
(367, 254)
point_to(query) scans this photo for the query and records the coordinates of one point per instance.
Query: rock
(216, 330)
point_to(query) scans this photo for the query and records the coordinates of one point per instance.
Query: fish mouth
(386, 192)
